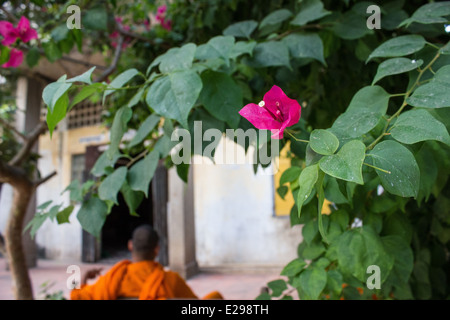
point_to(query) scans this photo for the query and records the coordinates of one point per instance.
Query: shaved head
(145, 241)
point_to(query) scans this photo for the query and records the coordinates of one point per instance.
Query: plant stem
(376, 168)
(405, 103)
(296, 139)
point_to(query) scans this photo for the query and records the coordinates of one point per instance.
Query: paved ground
(233, 286)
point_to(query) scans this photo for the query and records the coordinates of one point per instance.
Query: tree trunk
(13, 241)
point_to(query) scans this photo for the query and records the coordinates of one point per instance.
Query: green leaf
(222, 97)
(270, 54)
(310, 10)
(92, 216)
(51, 51)
(404, 177)
(419, 125)
(109, 187)
(347, 163)
(85, 93)
(277, 287)
(53, 212)
(132, 198)
(183, 171)
(241, 29)
(242, 47)
(282, 191)
(403, 255)
(219, 47)
(428, 171)
(323, 142)
(141, 173)
(290, 174)
(434, 94)
(53, 92)
(85, 77)
(177, 59)
(313, 250)
(104, 162)
(275, 17)
(445, 49)
(395, 66)
(4, 54)
(293, 268)
(430, 13)
(309, 231)
(363, 114)
(60, 32)
(137, 97)
(147, 126)
(305, 46)
(360, 248)
(32, 58)
(58, 113)
(63, 216)
(44, 205)
(118, 128)
(335, 281)
(96, 19)
(35, 223)
(398, 224)
(173, 96)
(312, 282)
(308, 178)
(352, 25)
(120, 81)
(398, 47)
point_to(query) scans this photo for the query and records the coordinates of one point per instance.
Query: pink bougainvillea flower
(8, 32)
(161, 9)
(15, 59)
(161, 17)
(114, 36)
(275, 112)
(24, 31)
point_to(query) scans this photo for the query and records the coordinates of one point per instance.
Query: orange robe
(146, 280)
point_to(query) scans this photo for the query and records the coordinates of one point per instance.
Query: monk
(141, 278)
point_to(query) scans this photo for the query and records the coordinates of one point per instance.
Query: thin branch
(66, 58)
(8, 126)
(9, 15)
(31, 139)
(116, 59)
(43, 180)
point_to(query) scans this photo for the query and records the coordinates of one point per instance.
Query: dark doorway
(119, 226)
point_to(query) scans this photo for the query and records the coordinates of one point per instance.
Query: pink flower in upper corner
(275, 112)
(24, 31)
(161, 17)
(8, 32)
(161, 10)
(15, 59)
(114, 36)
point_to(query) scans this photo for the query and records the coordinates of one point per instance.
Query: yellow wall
(283, 206)
(64, 144)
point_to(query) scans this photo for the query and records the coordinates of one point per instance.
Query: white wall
(5, 205)
(235, 221)
(61, 242)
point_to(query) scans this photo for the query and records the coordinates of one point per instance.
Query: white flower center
(261, 104)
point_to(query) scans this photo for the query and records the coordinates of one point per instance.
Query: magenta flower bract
(8, 32)
(24, 31)
(15, 59)
(275, 112)
(161, 18)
